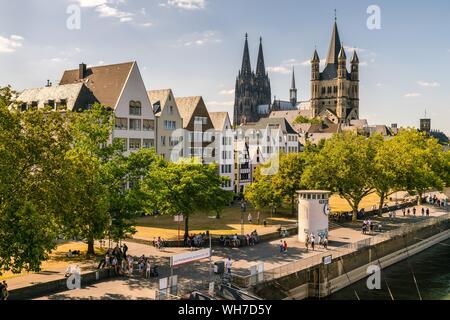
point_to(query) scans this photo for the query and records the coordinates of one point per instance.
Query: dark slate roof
(335, 46)
(105, 82)
(331, 72)
(262, 124)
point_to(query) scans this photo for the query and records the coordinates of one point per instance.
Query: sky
(195, 47)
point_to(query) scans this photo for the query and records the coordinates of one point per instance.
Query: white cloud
(91, 3)
(280, 69)
(413, 95)
(185, 4)
(199, 39)
(221, 103)
(106, 11)
(428, 84)
(227, 92)
(11, 44)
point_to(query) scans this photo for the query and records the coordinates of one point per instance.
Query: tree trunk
(186, 226)
(293, 205)
(91, 248)
(218, 215)
(355, 214)
(380, 209)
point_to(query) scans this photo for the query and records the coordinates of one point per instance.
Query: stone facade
(335, 91)
(252, 89)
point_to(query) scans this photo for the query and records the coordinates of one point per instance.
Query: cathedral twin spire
(246, 64)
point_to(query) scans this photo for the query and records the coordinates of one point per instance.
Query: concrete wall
(352, 267)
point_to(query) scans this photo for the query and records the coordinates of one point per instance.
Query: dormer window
(135, 108)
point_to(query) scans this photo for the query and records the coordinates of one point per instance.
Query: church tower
(293, 91)
(252, 89)
(335, 91)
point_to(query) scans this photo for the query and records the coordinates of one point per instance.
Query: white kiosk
(313, 212)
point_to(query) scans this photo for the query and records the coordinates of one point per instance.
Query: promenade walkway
(196, 275)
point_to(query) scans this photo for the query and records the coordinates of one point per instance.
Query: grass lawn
(164, 226)
(59, 261)
(230, 223)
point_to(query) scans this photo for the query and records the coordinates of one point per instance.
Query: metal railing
(293, 267)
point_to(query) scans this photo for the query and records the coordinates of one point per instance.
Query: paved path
(191, 276)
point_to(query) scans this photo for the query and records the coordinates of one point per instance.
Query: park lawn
(338, 204)
(59, 261)
(149, 228)
(230, 223)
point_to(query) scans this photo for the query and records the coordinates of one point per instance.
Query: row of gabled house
(177, 127)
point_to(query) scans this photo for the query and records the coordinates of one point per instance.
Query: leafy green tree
(123, 178)
(422, 162)
(7, 95)
(262, 193)
(387, 171)
(183, 189)
(288, 179)
(33, 145)
(302, 120)
(344, 166)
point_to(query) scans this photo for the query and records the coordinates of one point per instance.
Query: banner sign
(189, 257)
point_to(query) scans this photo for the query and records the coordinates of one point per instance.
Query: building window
(135, 124)
(148, 143)
(121, 123)
(135, 144)
(149, 125)
(170, 125)
(171, 109)
(201, 120)
(135, 108)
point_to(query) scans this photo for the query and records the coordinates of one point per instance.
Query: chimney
(82, 71)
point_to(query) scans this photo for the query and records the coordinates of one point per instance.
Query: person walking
(428, 212)
(414, 211)
(409, 212)
(281, 246)
(307, 243)
(423, 212)
(228, 265)
(125, 250)
(285, 247)
(250, 218)
(404, 212)
(313, 240)
(4, 294)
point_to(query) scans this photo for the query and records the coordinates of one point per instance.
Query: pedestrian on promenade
(4, 294)
(307, 242)
(409, 212)
(250, 218)
(423, 212)
(285, 247)
(228, 265)
(428, 212)
(281, 246)
(313, 240)
(414, 211)
(325, 242)
(404, 212)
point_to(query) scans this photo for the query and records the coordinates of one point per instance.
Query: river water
(432, 272)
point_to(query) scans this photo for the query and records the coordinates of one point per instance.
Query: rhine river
(430, 267)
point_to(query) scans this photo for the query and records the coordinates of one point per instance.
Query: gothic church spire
(246, 65)
(261, 67)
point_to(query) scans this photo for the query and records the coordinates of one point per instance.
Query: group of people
(235, 241)
(371, 226)
(196, 240)
(434, 200)
(158, 243)
(283, 247)
(407, 212)
(4, 294)
(146, 268)
(117, 259)
(311, 241)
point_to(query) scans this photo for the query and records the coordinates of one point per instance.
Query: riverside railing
(293, 267)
